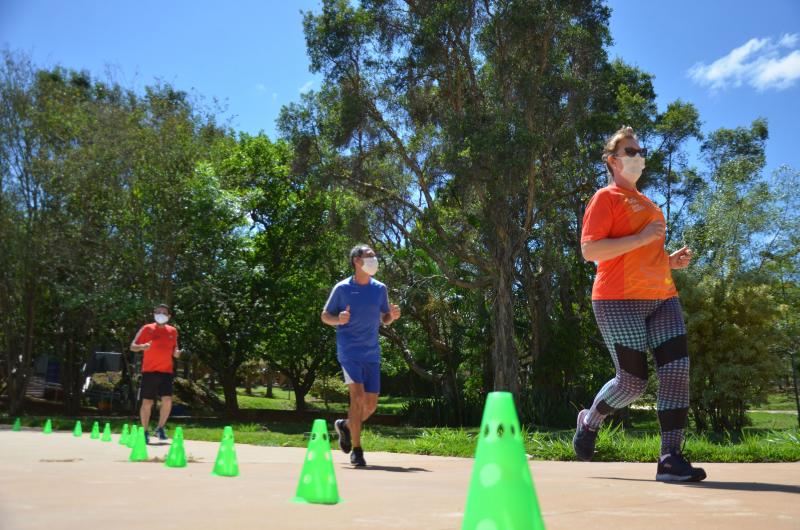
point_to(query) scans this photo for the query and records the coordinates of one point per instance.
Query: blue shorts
(367, 374)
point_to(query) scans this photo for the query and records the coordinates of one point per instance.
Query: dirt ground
(60, 482)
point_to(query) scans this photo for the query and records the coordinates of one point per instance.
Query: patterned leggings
(630, 328)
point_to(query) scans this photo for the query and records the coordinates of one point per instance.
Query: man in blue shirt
(357, 306)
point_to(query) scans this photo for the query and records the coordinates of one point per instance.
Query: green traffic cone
(123, 438)
(139, 451)
(132, 437)
(317, 483)
(227, 433)
(17, 425)
(106, 433)
(226, 464)
(501, 492)
(95, 431)
(176, 457)
(77, 432)
(48, 427)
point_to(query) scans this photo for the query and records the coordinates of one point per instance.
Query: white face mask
(632, 167)
(161, 318)
(370, 265)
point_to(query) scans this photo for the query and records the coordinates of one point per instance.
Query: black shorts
(155, 385)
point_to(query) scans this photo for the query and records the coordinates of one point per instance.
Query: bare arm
(338, 320)
(391, 316)
(329, 319)
(138, 347)
(605, 249)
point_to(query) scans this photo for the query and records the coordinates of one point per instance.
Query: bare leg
(356, 412)
(166, 407)
(144, 412)
(370, 405)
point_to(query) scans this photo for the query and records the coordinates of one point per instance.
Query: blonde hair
(611, 146)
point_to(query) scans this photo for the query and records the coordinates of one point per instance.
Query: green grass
(285, 400)
(770, 421)
(282, 400)
(779, 401)
(614, 444)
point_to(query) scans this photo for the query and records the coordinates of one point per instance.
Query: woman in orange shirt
(636, 306)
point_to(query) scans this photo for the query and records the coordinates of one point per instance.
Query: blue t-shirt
(358, 339)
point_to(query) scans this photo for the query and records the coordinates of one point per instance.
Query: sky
(735, 60)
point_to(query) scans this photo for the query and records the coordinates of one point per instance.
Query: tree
(451, 119)
(733, 316)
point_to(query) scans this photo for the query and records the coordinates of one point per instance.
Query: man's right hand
(145, 346)
(344, 316)
(652, 232)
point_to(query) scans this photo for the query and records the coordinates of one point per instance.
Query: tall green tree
(733, 316)
(452, 118)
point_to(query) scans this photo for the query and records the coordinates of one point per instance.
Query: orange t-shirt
(158, 357)
(641, 274)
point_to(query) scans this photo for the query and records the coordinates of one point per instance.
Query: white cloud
(778, 73)
(758, 63)
(789, 41)
(306, 87)
(261, 88)
(274, 96)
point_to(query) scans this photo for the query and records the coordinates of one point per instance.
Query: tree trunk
(300, 398)
(504, 350)
(270, 382)
(228, 381)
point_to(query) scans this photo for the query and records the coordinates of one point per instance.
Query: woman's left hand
(680, 258)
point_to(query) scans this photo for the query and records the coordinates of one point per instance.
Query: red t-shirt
(164, 340)
(641, 274)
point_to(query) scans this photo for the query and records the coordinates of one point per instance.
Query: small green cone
(176, 457)
(106, 433)
(227, 433)
(317, 483)
(17, 425)
(139, 451)
(123, 438)
(48, 427)
(226, 464)
(77, 432)
(501, 492)
(132, 437)
(95, 431)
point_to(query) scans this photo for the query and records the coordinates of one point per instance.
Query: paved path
(60, 482)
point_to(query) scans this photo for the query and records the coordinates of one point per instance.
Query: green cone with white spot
(139, 451)
(106, 433)
(176, 457)
(226, 464)
(132, 437)
(317, 483)
(501, 493)
(123, 438)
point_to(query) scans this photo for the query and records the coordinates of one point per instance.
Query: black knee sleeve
(604, 408)
(632, 361)
(673, 419)
(671, 350)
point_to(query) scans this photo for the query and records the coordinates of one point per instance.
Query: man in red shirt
(159, 342)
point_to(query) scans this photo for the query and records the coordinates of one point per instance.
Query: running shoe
(584, 439)
(344, 435)
(357, 457)
(676, 468)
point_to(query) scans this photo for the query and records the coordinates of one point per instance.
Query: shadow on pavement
(394, 469)
(732, 486)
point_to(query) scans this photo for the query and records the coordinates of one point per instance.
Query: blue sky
(735, 60)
